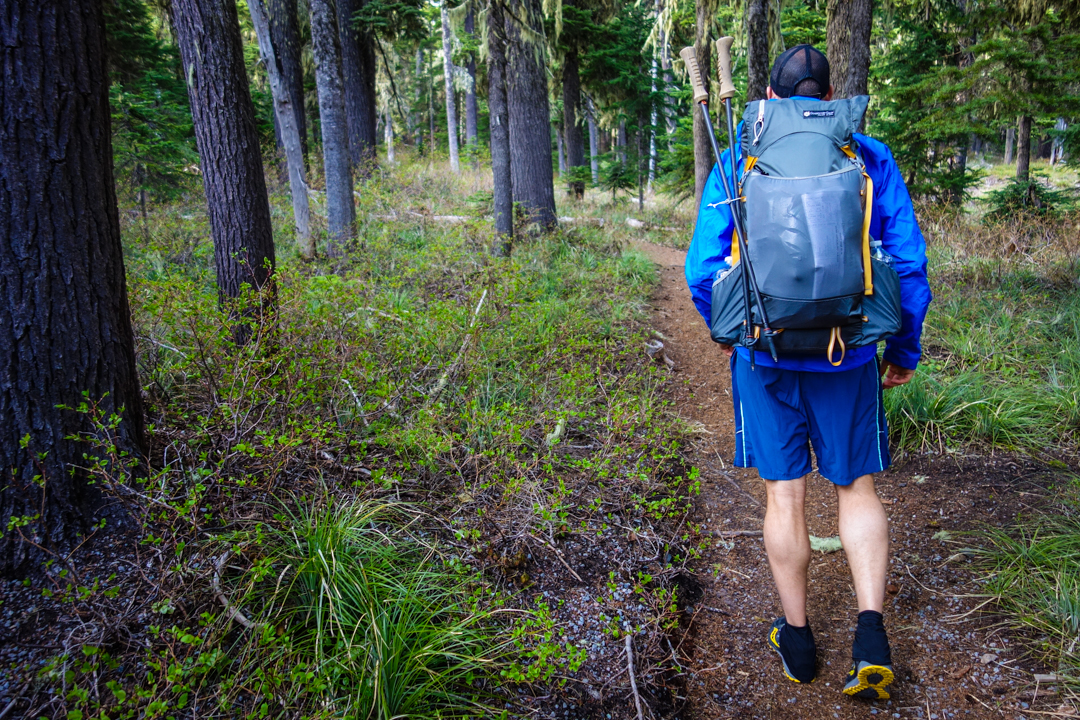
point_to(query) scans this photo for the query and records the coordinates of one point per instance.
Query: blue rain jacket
(892, 222)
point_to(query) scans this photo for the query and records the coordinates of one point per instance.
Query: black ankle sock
(799, 650)
(871, 643)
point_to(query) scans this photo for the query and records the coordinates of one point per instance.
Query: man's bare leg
(788, 545)
(864, 533)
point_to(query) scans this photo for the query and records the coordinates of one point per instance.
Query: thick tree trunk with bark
(574, 140)
(65, 326)
(358, 72)
(285, 34)
(340, 211)
(289, 133)
(703, 161)
(530, 129)
(848, 33)
(500, 130)
(757, 49)
(470, 66)
(448, 83)
(1023, 149)
(208, 34)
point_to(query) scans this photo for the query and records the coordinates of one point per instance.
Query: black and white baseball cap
(802, 70)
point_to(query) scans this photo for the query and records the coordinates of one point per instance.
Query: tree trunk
(500, 130)
(703, 161)
(1057, 146)
(620, 142)
(652, 126)
(286, 122)
(451, 103)
(575, 143)
(358, 72)
(470, 66)
(285, 34)
(340, 210)
(1023, 149)
(208, 33)
(757, 49)
(665, 67)
(1010, 141)
(559, 146)
(388, 136)
(65, 325)
(419, 140)
(530, 129)
(594, 150)
(431, 105)
(848, 33)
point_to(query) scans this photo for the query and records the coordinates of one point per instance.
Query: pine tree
(208, 32)
(65, 327)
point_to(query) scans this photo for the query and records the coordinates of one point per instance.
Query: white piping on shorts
(877, 424)
(742, 426)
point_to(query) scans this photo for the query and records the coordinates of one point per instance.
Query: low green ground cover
(341, 507)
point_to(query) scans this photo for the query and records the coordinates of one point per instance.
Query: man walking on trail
(784, 407)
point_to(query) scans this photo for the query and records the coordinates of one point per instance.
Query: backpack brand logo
(818, 113)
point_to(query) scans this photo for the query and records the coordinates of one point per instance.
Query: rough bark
(574, 142)
(208, 34)
(757, 49)
(286, 123)
(594, 151)
(1023, 149)
(500, 130)
(530, 129)
(1010, 142)
(340, 211)
(65, 325)
(448, 83)
(358, 71)
(417, 126)
(285, 34)
(665, 66)
(848, 34)
(652, 127)
(470, 67)
(703, 161)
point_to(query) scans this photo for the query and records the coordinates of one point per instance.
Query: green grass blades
(381, 620)
(1033, 573)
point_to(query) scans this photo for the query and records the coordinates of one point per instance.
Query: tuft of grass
(359, 615)
(1033, 574)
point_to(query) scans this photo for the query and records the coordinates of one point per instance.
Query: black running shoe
(868, 681)
(796, 649)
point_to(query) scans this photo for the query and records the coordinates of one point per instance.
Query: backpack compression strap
(868, 271)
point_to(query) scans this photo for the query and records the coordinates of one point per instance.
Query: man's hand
(727, 350)
(894, 375)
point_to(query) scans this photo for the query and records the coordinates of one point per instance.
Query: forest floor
(952, 661)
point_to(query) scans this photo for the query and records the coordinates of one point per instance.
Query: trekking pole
(727, 91)
(701, 97)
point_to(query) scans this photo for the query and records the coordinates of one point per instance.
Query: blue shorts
(779, 414)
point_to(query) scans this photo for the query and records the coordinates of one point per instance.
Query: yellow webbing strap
(834, 338)
(734, 248)
(868, 211)
(868, 271)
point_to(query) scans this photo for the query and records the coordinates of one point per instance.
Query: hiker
(830, 401)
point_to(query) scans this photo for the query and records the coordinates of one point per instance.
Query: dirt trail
(948, 666)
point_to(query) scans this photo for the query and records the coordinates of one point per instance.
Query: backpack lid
(767, 121)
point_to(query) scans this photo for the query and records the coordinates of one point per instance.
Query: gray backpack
(825, 284)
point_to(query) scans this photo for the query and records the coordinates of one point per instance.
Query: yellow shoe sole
(870, 682)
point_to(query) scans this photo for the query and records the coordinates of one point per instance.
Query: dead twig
(231, 611)
(740, 533)
(440, 384)
(630, 669)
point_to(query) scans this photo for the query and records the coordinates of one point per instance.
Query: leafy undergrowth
(1001, 367)
(435, 484)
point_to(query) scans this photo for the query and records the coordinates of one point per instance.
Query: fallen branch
(630, 669)
(440, 384)
(740, 533)
(229, 609)
(639, 225)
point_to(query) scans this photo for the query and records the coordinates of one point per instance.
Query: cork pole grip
(689, 57)
(723, 62)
